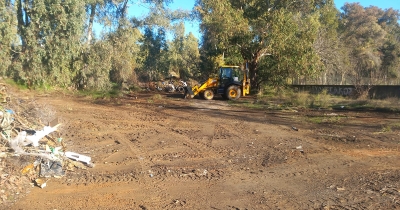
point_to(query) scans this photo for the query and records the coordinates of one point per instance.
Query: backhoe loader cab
(231, 83)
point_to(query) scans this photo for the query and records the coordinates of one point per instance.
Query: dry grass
(287, 98)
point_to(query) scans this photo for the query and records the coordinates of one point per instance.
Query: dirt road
(170, 153)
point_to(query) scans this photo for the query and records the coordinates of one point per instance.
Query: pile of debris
(30, 157)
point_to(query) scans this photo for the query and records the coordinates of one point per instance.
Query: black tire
(233, 92)
(208, 94)
(180, 89)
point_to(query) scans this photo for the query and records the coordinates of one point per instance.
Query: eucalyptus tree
(279, 33)
(8, 34)
(390, 49)
(153, 47)
(155, 56)
(50, 33)
(371, 37)
(327, 45)
(113, 13)
(183, 53)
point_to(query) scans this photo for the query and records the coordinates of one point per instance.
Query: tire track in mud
(145, 175)
(197, 138)
(136, 166)
(187, 133)
(176, 148)
(199, 152)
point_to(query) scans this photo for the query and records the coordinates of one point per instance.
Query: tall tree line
(299, 42)
(52, 42)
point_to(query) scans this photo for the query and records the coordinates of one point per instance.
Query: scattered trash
(41, 182)
(27, 169)
(71, 165)
(34, 139)
(78, 157)
(50, 168)
(294, 128)
(6, 123)
(300, 148)
(51, 158)
(21, 137)
(340, 189)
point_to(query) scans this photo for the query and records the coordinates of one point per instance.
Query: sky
(193, 27)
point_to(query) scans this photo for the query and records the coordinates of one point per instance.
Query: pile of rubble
(30, 153)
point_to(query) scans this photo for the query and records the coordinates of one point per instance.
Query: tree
(110, 62)
(155, 58)
(183, 53)
(391, 48)
(153, 46)
(279, 33)
(8, 34)
(327, 45)
(50, 32)
(370, 36)
(113, 13)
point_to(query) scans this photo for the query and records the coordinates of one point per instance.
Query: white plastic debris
(78, 157)
(15, 145)
(34, 139)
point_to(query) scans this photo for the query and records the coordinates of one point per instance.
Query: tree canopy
(51, 42)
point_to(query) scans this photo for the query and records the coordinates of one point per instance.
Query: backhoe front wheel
(233, 92)
(208, 94)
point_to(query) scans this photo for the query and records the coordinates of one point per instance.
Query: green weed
(386, 128)
(325, 119)
(156, 97)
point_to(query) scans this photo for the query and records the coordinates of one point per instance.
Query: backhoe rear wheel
(233, 92)
(208, 94)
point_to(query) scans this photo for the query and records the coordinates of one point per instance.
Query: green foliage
(126, 50)
(334, 119)
(156, 97)
(386, 128)
(50, 43)
(370, 36)
(183, 54)
(50, 31)
(152, 50)
(113, 92)
(48, 46)
(96, 66)
(321, 100)
(275, 37)
(8, 35)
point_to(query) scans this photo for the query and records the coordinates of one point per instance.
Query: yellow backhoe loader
(232, 83)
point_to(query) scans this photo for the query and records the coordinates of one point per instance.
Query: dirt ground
(170, 153)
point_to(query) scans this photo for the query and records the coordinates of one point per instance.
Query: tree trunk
(21, 23)
(90, 26)
(253, 64)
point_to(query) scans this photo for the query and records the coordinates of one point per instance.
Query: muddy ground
(169, 153)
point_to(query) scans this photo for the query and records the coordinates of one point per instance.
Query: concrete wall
(376, 92)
